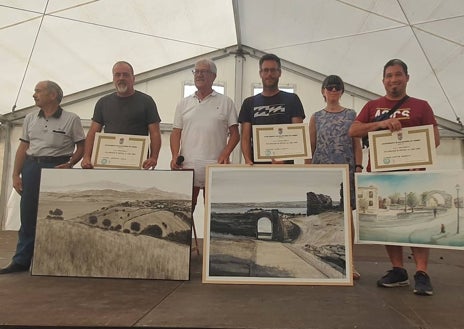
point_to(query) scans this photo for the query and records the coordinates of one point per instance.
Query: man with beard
(411, 112)
(126, 111)
(272, 106)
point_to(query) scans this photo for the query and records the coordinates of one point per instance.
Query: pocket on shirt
(58, 137)
(222, 118)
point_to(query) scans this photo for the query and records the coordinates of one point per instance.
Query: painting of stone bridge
(415, 208)
(277, 224)
(114, 224)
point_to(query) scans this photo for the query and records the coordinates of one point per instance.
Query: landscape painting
(414, 208)
(114, 224)
(277, 224)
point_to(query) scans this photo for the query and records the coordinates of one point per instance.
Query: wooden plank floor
(37, 301)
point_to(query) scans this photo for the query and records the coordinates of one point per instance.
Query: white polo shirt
(205, 130)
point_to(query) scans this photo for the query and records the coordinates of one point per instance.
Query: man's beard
(121, 88)
(395, 91)
(272, 84)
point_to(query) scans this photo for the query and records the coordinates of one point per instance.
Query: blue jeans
(29, 205)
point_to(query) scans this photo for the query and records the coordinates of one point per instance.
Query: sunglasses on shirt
(332, 87)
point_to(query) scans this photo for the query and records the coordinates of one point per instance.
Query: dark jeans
(28, 210)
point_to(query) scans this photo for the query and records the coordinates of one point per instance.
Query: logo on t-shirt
(268, 110)
(399, 114)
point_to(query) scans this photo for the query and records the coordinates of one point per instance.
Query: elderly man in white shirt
(205, 129)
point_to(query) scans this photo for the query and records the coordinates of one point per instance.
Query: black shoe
(396, 277)
(13, 267)
(423, 285)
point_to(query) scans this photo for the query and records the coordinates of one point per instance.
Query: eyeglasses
(332, 87)
(203, 72)
(272, 70)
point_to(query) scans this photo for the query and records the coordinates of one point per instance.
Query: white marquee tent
(75, 42)
(72, 41)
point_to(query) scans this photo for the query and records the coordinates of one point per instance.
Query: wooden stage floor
(35, 301)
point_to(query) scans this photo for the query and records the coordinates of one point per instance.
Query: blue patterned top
(333, 144)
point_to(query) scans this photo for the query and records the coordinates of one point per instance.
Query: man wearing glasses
(205, 129)
(272, 106)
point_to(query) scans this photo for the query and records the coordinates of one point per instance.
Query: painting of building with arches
(114, 223)
(277, 224)
(414, 208)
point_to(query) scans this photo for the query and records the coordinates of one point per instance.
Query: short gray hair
(209, 62)
(53, 86)
(123, 62)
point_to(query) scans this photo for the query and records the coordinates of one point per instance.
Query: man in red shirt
(412, 112)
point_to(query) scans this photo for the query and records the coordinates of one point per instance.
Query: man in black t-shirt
(126, 111)
(272, 106)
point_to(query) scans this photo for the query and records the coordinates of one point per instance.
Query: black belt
(57, 160)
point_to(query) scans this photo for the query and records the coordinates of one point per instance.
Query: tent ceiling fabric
(78, 41)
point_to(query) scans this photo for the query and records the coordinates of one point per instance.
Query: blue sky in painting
(413, 181)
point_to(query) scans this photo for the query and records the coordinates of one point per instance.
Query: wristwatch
(358, 166)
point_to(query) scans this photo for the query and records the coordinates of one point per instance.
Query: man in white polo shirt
(205, 129)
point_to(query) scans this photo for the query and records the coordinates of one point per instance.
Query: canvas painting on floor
(277, 224)
(413, 208)
(114, 224)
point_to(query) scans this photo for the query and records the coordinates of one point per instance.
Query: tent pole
(238, 96)
(6, 132)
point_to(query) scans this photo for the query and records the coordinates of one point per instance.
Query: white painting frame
(236, 249)
(411, 208)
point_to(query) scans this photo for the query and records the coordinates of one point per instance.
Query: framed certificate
(281, 142)
(408, 148)
(119, 151)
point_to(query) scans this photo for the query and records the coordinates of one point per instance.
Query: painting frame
(413, 208)
(119, 223)
(311, 245)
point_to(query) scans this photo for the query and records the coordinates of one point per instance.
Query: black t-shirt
(126, 115)
(277, 109)
(266, 110)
